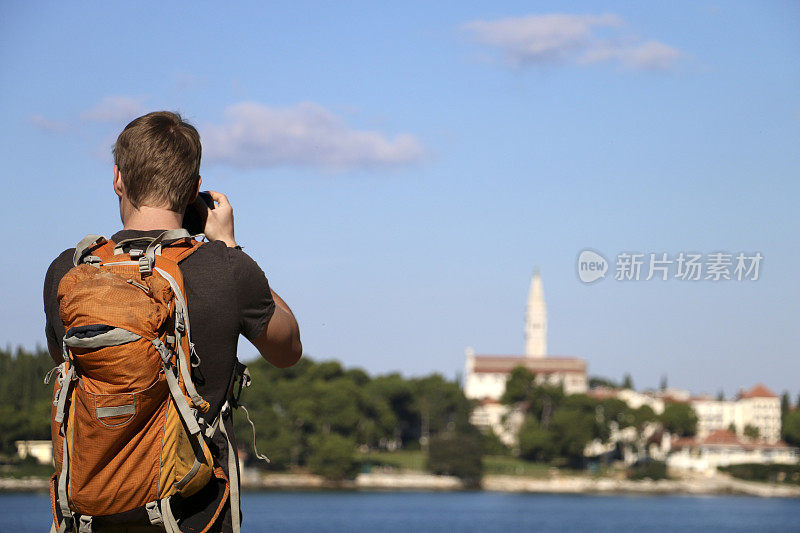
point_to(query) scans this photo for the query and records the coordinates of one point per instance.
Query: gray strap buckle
(154, 513)
(85, 524)
(193, 357)
(67, 523)
(145, 265)
(242, 376)
(180, 323)
(163, 351)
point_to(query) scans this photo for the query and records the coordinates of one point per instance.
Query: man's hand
(219, 218)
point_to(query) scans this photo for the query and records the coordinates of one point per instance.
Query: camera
(194, 219)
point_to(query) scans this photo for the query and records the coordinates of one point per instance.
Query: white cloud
(115, 109)
(564, 38)
(651, 55)
(254, 135)
(43, 123)
(538, 38)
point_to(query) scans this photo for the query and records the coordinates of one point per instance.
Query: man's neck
(152, 218)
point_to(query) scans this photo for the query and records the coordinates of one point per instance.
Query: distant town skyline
(399, 170)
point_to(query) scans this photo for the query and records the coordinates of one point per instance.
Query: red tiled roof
(503, 364)
(525, 357)
(673, 399)
(723, 437)
(703, 398)
(759, 391)
(602, 393)
(500, 370)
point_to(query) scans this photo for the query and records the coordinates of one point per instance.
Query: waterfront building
(758, 407)
(41, 450)
(723, 448)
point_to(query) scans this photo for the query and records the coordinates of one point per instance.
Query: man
(156, 177)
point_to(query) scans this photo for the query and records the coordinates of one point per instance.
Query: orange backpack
(128, 425)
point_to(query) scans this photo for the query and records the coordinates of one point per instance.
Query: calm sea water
(479, 512)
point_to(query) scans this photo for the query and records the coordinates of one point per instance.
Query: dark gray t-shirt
(228, 295)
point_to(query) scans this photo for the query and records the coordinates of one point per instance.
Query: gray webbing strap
(63, 392)
(180, 401)
(119, 247)
(62, 482)
(212, 428)
(49, 375)
(175, 389)
(199, 459)
(85, 524)
(112, 337)
(184, 314)
(187, 377)
(165, 236)
(80, 248)
(189, 475)
(170, 524)
(232, 475)
(179, 297)
(163, 351)
(154, 248)
(153, 513)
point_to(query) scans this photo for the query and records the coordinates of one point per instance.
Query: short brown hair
(158, 155)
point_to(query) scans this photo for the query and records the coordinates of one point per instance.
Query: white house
(41, 450)
(724, 448)
(758, 407)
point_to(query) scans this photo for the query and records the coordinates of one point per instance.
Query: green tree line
(25, 401)
(317, 414)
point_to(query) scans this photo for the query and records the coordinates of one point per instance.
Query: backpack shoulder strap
(86, 245)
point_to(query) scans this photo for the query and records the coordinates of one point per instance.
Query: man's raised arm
(279, 343)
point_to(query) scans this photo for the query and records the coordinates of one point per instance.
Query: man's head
(158, 160)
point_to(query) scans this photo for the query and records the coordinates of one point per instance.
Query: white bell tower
(536, 319)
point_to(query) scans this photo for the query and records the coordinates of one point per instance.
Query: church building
(486, 375)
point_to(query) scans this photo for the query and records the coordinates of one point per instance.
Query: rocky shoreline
(701, 485)
(715, 485)
(412, 481)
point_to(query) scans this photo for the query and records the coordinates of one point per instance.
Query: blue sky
(399, 170)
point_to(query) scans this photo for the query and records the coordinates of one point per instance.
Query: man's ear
(196, 190)
(119, 186)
